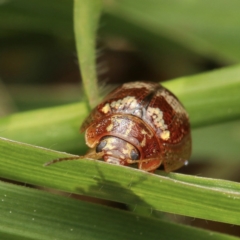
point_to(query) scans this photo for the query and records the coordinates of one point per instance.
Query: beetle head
(117, 151)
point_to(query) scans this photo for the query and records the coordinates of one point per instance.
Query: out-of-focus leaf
(210, 29)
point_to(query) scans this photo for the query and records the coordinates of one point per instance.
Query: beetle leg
(130, 161)
(92, 155)
(149, 164)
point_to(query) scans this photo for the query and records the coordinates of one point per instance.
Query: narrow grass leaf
(211, 199)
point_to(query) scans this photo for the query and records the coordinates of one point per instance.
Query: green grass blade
(210, 30)
(211, 199)
(31, 214)
(86, 16)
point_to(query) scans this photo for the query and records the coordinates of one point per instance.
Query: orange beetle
(139, 122)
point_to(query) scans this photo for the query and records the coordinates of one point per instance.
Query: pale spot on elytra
(106, 108)
(165, 135)
(129, 102)
(157, 116)
(110, 127)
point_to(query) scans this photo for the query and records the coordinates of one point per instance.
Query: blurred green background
(137, 40)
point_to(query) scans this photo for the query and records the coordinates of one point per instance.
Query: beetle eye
(101, 145)
(134, 154)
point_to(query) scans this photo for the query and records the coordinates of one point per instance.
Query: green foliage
(32, 214)
(198, 197)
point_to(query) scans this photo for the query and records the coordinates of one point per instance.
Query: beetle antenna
(62, 159)
(92, 155)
